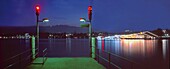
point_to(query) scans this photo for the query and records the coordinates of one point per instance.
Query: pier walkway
(67, 63)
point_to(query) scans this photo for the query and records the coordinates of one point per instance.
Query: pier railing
(43, 57)
(11, 62)
(22, 59)
(113, 61)
(110, 61)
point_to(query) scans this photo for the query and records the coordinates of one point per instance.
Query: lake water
(146, 54)
(66, 47)
(128, 54)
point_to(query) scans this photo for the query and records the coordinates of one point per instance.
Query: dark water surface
(130, 54)
(66, 47)
(140, 54)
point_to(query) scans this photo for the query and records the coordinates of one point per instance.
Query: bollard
(33, 46)
(93, 47)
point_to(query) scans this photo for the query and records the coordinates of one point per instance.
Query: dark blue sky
(108, 15)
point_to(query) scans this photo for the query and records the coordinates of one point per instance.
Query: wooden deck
(67, 63)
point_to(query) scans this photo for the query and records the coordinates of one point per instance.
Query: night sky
(108, 15)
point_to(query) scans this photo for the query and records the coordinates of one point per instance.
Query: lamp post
(37, 25)
(89, 30)
(89, 26)
(37, 8)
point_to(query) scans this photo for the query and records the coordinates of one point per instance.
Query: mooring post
(33, 47)
(93, 47)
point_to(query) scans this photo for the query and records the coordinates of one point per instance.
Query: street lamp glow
(82, 19)
(45, 20)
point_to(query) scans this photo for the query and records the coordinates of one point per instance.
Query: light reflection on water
(165, 45)
(140, 48)
(66, 47)
(151, 52)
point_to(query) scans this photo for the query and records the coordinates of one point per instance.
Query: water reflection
(148, 53)
(165, 45)
(135, 48)
(142, 48)
(68, 45)
(65, 47)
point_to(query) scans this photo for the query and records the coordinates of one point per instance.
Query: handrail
(44, 49)
(108, 61)
(43, 57)
(10, 65)
(119, 56)
(16, 55)
(110, 58)
(17, 62)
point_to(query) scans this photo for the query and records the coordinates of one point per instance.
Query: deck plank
(68, 63)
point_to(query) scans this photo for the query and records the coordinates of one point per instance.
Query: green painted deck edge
(67, 63)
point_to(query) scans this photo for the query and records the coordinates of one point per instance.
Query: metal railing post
(44, 54)
(43, 58)
(109, 60)
(98, 55)
(20, 62)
